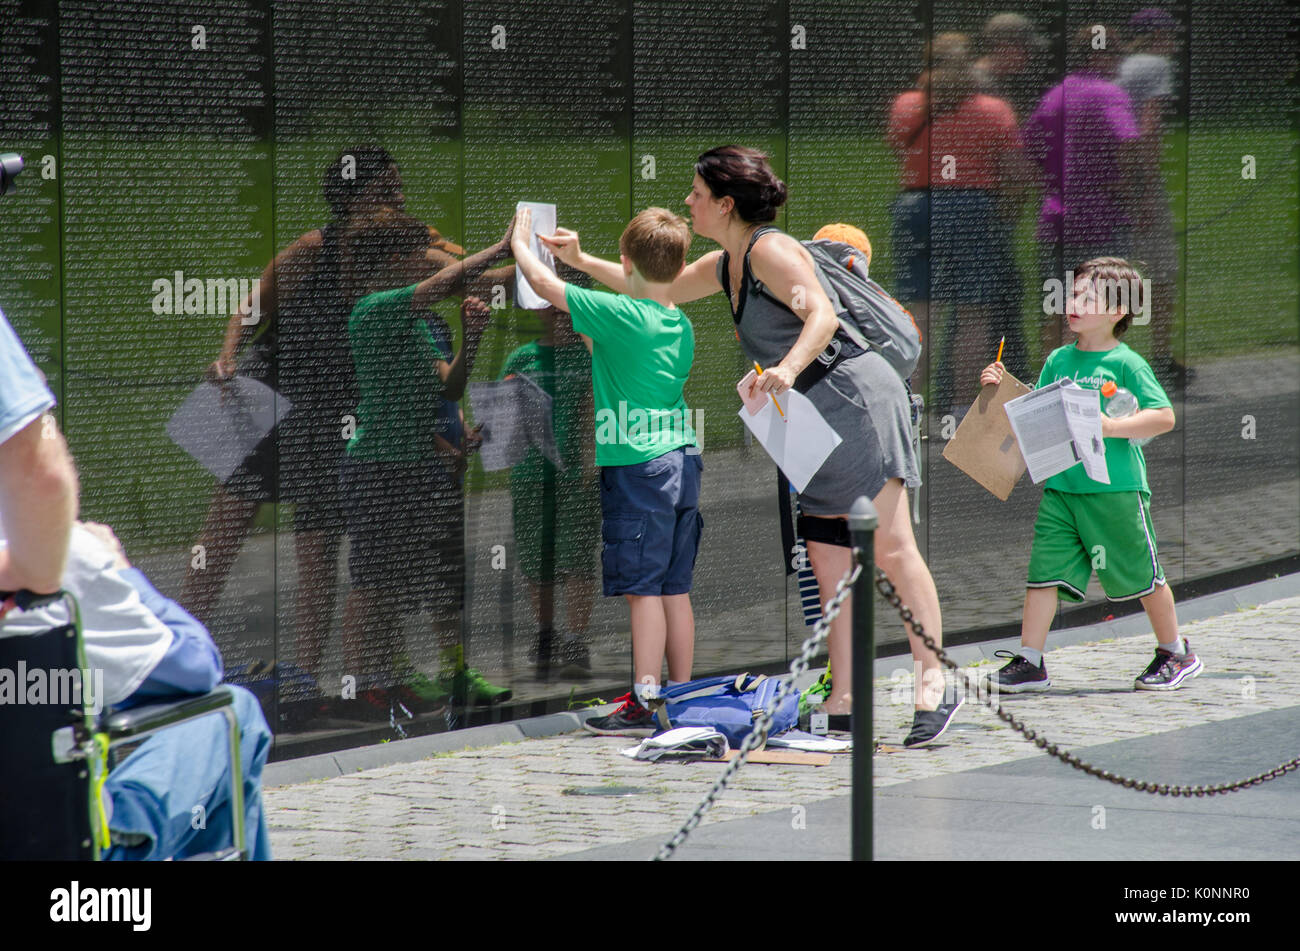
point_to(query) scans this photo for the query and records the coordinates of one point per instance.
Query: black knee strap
(828, 531)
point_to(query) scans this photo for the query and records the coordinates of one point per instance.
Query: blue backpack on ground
(728, 704)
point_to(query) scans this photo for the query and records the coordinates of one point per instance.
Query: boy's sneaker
(1019, 675)
(929, 725)
(1168, 671)
(631, 719)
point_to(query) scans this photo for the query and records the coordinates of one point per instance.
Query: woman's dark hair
(364, 164)
(745, 176)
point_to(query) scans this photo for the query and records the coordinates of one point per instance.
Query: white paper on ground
(808, 743)
(219, 424)
(798, 442)
(543, 223)
(685, 739)
(1053, 438)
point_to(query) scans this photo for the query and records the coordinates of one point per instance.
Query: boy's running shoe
(1019, 675)
(631, 719)
(929, 725)
(1168, 671)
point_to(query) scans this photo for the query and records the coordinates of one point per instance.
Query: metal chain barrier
(886, 588)
(985, 696)
(758, 735)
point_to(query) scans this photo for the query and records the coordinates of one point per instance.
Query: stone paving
(519, 801)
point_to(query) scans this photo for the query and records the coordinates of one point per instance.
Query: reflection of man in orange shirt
(963, 180)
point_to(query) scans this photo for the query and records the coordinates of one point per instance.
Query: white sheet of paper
(798, 443)
(220, 424)
(1083, 415)
(537, 405)
(1053, 438)
(544, 221)
(515, 414)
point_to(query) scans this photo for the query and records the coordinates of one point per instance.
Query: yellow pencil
(1001, 343)
(759, 370)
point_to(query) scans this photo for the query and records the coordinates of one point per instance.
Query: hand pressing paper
(543, 223)
(789, 427)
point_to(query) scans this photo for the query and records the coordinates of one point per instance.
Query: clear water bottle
(1120, 404)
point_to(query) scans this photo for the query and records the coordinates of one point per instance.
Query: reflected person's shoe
(468, 686)
(929, 725)
(631, 719)
(371, 705)
(1019, 675)
(569, 660)
(1168, 671)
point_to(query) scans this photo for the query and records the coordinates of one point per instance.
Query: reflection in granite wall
(212, 189)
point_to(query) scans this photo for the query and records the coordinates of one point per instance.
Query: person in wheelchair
(170, 798)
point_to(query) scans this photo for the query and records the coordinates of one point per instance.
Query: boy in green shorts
(1081, 522)
(642, 347)
(556, 511)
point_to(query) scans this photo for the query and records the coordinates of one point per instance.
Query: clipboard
(984, 447)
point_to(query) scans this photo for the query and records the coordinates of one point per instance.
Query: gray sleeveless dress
(862, 399)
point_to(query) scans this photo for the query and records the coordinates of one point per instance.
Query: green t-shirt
(564, 373)
(641, 355)
(1090, 369)
(401, 391)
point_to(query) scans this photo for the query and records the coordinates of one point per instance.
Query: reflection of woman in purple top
(1082, 136)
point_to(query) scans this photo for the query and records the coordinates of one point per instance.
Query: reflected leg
(222, 538)
(317, 580)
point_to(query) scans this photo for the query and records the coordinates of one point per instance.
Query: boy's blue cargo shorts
(651, 524)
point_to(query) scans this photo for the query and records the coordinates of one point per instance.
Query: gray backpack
(869, 315)
(864, 306)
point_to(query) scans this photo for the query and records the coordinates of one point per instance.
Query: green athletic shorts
(1108, 531)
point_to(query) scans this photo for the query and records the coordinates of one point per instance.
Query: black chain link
(984, 695)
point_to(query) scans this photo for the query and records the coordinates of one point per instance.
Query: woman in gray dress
(789, 327)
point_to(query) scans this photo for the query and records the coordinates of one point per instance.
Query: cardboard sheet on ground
(798, 441)
(984, 446)
(515, 414)
(220, 424)
(1058, 426)
(543, 223)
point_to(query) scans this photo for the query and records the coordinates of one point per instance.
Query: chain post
(862, 528)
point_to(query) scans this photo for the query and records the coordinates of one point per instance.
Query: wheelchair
(55, 754)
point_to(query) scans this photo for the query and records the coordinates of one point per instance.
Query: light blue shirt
(23, 393)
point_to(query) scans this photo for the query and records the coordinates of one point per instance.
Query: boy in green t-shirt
(556, 511)
(1082, 522)
(399, 481)
(642, 347)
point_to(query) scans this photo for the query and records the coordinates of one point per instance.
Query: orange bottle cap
(1108, 389)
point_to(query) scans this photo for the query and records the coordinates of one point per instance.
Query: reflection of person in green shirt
(556, 512)
(399, 480)
(1084, 525)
